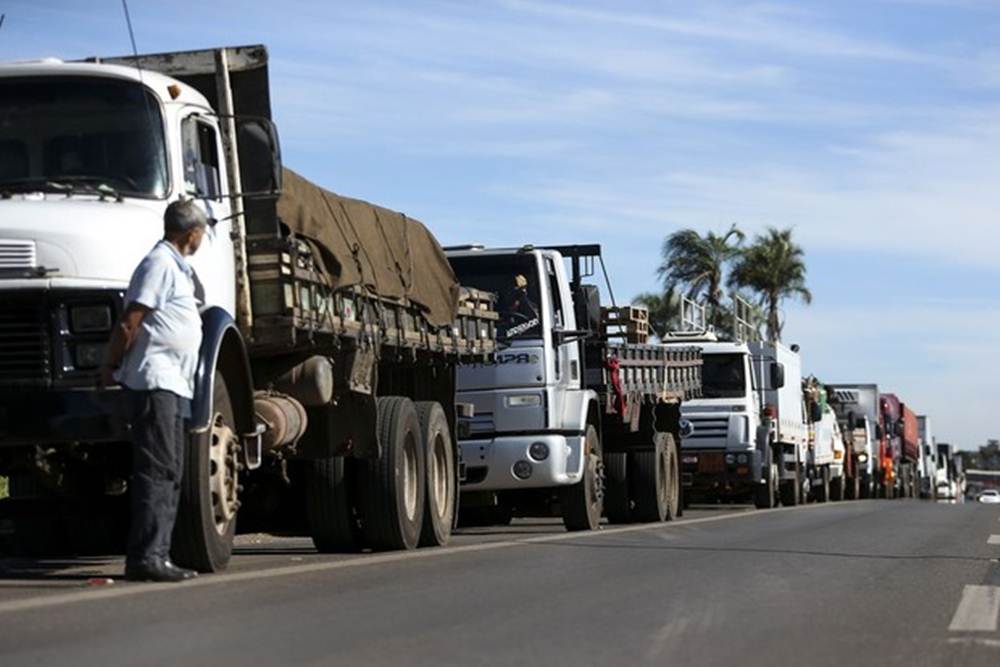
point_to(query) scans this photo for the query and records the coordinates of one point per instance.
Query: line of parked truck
(358, 383)
(763, 432)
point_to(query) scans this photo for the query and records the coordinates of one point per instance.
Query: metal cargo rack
(296, 306)
(669, 373)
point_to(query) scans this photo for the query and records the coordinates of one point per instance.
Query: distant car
(989, 496)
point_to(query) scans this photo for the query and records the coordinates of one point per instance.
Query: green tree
(695, 265)
(773, 267)
(664, 310)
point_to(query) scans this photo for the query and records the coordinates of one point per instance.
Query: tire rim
(439, 476)
(662, 465)
(410, 481)
(223, 460)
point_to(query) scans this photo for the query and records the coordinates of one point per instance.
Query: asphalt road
(860, 583)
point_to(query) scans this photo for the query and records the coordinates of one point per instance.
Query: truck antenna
(138, 68)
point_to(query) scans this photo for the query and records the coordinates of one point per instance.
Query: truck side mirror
(777, 375)
(878, 432)
(897, 428)
(260, 156)
(815, 413)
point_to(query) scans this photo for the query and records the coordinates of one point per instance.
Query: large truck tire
(655, 480)
(330, 510)
(791, 490)
(617, 504)
(206, 516)
(393, 487)
(583, 503)
(822, 492)
(765, 495)
(441, 483)
(837, 488)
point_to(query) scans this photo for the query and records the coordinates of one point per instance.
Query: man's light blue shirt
(164, 354)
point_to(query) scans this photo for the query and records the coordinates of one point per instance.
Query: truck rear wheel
(655, 480)
(583, 503)
(333, 522)
(206, 516)
(393, 487)
(617, 505)
(439, 455)
(791, 490)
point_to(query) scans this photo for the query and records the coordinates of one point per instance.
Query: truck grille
(16, 254)
(709, 427)
(24, 342)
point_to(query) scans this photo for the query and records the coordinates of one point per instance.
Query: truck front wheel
(393, 487)
(791, 490)
(766, 493)
(656, 480)
(206, 517)
(583, 503)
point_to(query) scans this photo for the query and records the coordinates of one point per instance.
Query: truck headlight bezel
(90, 318)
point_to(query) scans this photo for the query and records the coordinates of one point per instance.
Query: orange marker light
(174, 90)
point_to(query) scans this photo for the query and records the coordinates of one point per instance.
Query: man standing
(153, 353)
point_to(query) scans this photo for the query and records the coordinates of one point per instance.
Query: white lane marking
(978, 610)
(994, 539)
(362, 561)
(975, 641)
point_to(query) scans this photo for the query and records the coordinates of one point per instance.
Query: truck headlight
(522, 470)
(730, 459)
(741, 458)
(523, 401)
(87, 319)
(686, 428)
(862, 458)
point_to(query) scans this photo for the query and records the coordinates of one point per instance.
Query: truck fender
(222, 348)
(580, 408)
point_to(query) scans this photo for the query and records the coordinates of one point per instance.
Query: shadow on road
(15, 571)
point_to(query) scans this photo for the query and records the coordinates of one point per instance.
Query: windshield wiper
(68, 185)
(85, 185)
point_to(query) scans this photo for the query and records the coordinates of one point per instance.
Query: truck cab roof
(159, 84)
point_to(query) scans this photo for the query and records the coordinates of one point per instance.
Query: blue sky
(870, 126)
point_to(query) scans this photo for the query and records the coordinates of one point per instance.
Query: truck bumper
(712, 473)
(61, 416)
(490, 464)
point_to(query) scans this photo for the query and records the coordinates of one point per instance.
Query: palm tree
(664, 311)
(695, 264)
(773, 267)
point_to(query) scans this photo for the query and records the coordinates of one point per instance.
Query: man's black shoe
(187, 574)
(159, 570)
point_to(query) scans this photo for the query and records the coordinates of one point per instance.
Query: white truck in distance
(827, 451)
(567, 420)
(928, 457)
(747, 435)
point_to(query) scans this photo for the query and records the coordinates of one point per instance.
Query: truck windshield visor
(514, 279)
(723, 376)
(80, 135)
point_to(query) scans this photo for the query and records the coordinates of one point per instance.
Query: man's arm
(122, 338)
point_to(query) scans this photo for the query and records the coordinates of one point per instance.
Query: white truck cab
(531, 406)
(746, 436)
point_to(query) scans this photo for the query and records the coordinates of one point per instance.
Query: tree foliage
(695, 265)
(773, 267)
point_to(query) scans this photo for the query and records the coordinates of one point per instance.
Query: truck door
(565, 366)
(204, 179)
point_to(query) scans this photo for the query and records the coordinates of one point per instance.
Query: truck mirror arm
(563, 336)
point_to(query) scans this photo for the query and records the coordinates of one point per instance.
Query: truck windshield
(514, 279)
(80, 134)
(723, 376)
